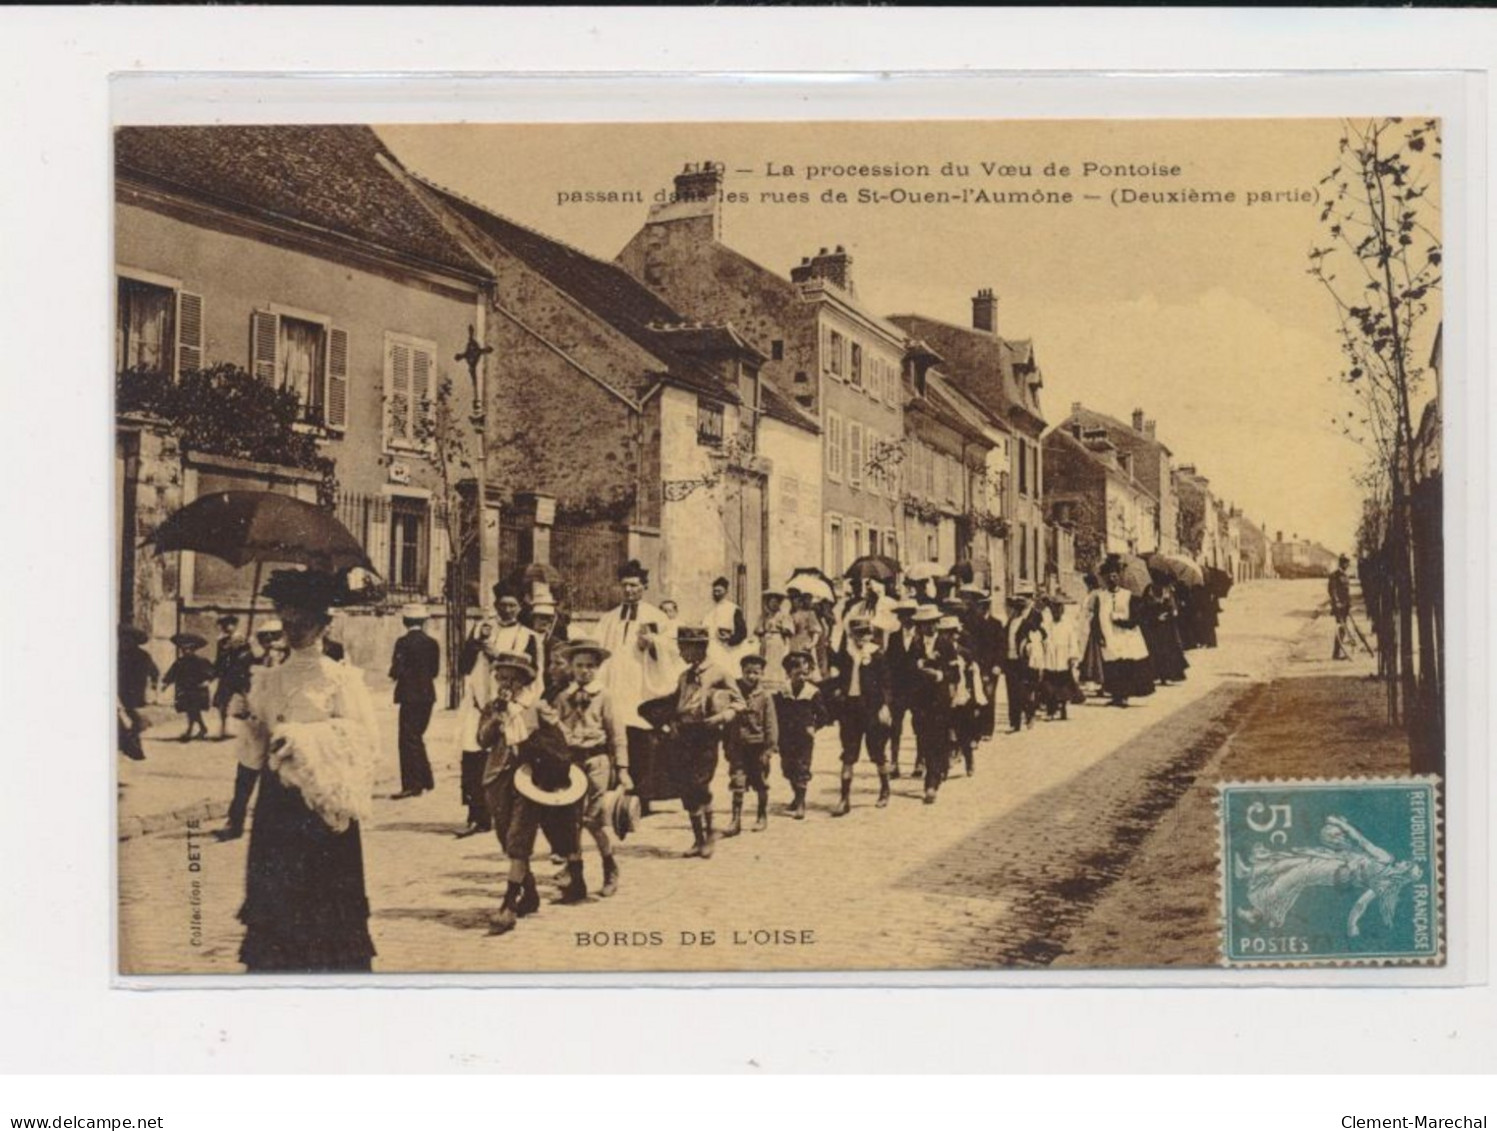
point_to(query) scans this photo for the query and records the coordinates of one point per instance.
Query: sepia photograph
(751, 547)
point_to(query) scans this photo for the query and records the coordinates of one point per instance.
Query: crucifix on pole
(473, 355)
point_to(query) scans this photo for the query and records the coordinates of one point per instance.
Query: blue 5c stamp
(1336, 872)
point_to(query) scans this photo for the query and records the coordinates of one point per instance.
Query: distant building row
(682, 405)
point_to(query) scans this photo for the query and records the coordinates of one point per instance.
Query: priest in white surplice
(640, 667)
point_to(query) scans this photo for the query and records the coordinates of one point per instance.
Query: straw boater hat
(543, 609)
(413, 613)
(270, 626)
(516, 661)
(621, 812)
(859, 624)
(949, 624)
(927, 613)
(774, 593)
(906, 605)
(691, 634)
(584, 648)
(567, 788)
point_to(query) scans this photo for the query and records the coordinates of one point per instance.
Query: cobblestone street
(1002, 871)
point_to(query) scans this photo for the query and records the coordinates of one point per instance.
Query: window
(305, 354)
(408, 545)
(158, 327)
(1023, 552)
(1023, 468)
(858, 549)
(932, 545)
(834, 562)
(855, 369)
(834, 441)
(875, 539)
(857, 457)
(835, 343)
(777, 350)
(1035, 478)
(891, 545)
(410, 375)
(709, 423)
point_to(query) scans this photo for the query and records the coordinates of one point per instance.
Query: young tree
(1380, 262)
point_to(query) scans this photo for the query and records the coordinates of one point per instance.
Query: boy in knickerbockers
(753, 737)
(705, 702)
(799, 713)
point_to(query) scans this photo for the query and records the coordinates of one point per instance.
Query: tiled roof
(327, 178)
(604, 289)
(1091, 418)
(782, 407)
(987, 369)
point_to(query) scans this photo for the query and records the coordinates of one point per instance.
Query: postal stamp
(1333, 872)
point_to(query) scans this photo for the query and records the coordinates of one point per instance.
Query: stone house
(1150, 460)
(952, 504)
(825, 352)
(295, 254)
(1089, 490)
(1200, 524)
(1001, 377)
(619, 429)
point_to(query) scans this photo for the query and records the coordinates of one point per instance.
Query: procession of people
(561, 734)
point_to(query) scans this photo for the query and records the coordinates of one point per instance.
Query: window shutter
(399, 398)
(422, 372)
(189, 332)
(263, 337)
(336, 399)
(855, 458)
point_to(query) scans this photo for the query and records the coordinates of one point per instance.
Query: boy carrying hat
(596, 743)
(530, 784)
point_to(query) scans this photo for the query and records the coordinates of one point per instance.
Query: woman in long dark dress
(311, 730)
(1158, 624)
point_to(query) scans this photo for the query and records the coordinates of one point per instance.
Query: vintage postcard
(763, 547)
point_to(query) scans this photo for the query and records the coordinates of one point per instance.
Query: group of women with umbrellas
(1142, 616)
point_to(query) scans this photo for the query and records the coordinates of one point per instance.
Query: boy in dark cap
(753, 737)
(799, 713)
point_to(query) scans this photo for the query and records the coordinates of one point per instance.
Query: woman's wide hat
(546, 792)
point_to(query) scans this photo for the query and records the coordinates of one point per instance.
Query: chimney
(693, 212)
(833, 267)
(1149, 429)
(1075, 408)
(1138, 420)
(985, 311)
(700, 182)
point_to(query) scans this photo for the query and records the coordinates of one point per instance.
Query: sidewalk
(182, 781)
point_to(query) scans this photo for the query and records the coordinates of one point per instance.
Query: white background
(57, 1009)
